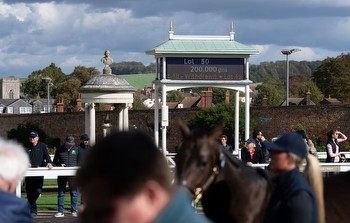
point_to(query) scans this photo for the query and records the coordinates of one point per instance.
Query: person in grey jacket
(67, 156)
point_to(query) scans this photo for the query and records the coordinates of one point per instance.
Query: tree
(273, 90)
(333, 77)
(316, 94)
(68, 89)
(175, 96)
(84, 74)
(207, 118)
(35, 86)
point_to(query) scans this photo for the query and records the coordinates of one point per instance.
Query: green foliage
(66, 86)
(84, 73)
(207, 118)
(316, 94)
(175, 96)
(138, 104)
(132, 67)
(273, 90)
(333, 77)
(21, 133)
(277, 70)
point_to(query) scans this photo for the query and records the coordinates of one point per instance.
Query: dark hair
(119, 166)
(330, 133)
(223, 136)
(256, 133)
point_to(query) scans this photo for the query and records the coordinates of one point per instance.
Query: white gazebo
(107, 89)
(187, 61)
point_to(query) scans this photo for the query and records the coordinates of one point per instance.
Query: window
(1, 109)
(25, 110)
(11, 95)
(10, 110)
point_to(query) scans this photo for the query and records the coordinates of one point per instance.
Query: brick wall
(272, 120)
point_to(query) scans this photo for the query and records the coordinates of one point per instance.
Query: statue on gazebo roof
(107, 60)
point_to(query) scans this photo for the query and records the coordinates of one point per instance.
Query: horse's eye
(203, 163)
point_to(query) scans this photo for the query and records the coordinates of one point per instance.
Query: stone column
(126, 118)
(92, 117)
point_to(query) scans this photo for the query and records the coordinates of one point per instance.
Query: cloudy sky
(76, 32)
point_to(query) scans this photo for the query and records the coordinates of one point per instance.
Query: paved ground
(48, 217)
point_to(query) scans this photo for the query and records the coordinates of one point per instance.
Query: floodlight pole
(48, 92)
(287, 53)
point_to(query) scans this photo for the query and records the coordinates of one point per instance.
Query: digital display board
(182, 68)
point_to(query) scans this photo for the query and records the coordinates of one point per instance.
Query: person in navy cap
(84, 145)
(39, 157)
(67, 156)
(293, 199)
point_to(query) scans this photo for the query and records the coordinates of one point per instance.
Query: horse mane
(313, 175)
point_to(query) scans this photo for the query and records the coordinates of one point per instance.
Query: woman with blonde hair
(296, 198)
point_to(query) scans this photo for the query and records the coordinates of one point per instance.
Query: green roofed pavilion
(208, 45)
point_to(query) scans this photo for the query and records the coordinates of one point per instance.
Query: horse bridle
(198, 193)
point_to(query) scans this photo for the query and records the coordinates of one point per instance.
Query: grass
(139, 81)
(48, 200)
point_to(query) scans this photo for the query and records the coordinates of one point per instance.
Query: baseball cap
(70, 140)
(250, 140)
(289, 142)
(33, 134)
(84, 136)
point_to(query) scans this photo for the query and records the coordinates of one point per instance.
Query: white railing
(47, 174)
(70, 171)
(323, 155)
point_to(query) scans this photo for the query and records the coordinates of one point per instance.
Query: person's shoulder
(13, 209)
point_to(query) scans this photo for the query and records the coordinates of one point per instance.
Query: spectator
(251, 154)
(83, 146)
(67, 156)
(293, 199)
(259, 141)
(13, 165)
(127, 179)
(39, 157)
(342, 158)
(223, 141)
(334, 138)
(309, 144)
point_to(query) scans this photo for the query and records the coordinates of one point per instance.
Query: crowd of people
(127, 180)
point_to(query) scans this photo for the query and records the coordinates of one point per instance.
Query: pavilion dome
(107, 82)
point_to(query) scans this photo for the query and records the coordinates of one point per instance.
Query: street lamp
(48, 92)
(287, 53)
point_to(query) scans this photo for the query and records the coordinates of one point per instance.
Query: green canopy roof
(202, 46)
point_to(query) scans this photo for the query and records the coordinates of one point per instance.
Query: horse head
(198, 159)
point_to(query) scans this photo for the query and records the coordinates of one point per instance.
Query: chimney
(206, 99)
(79, 103)
(60, 105)
(307, 97)
(227, 96)
(264, 101)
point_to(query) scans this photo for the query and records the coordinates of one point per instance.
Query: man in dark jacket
(83, 146)
(67, 156)
(39, 157)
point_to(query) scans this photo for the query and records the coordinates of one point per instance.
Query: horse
(229, 190)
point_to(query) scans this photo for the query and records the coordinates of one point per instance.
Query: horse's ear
(183, 128)
(217, 131)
